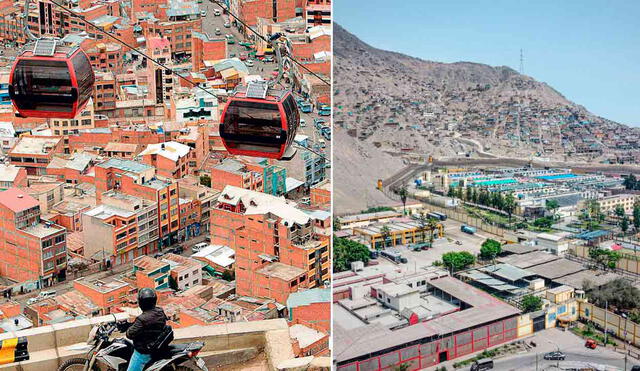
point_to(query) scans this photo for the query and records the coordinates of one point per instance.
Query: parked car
(216, 12)
(199, 246)
(218, 32)
(243, 56)
(482, 364)
(248, 63)
(555, 356)
(203, 13)
(227, 24)
(33, 300)
(591, 344)
(47, 294)
(159, 255)
(303, 123)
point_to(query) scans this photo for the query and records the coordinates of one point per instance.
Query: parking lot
(452, 233)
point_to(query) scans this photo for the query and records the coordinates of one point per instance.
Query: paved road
(570, 344)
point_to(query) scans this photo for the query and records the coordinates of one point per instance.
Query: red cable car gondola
(259, 121)
(51, 81)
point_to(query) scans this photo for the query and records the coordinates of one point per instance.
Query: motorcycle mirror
(92, 333)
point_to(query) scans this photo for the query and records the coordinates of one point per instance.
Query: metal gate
(539, 323)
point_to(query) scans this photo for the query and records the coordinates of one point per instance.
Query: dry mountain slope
(389, 106)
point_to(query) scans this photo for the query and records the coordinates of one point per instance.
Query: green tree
(624, 225)
(636, 216)
(336, 224)
(346, 251)
(607, 259)
(552, 206)
(509, 205)
(619, 293)
(402, 367)
(619, 211)
(474, 195)
(531, 303)
(543, 223)
(423, 225)
(456, 261)
(386, 235)
(403, 193)
(468, 192)
(490, 249)
(432, 224)
(205, 180)
(630, 182)
(451, 192)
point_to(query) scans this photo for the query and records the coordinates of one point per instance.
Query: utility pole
(606, 308)
(625, 341)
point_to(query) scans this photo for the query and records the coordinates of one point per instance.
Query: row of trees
(482, 196)
(606, 259)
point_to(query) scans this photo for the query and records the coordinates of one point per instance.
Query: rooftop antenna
(521, 61)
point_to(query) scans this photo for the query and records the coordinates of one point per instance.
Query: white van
(322, 143)
(199, 246)
(216, 12)
(303, 123)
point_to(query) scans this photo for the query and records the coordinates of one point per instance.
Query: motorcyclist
(146, 329)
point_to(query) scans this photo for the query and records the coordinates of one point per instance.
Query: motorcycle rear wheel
(76, 364)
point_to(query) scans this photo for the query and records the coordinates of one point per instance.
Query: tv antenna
(521, 61)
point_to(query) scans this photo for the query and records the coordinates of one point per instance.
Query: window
(59, 239)
(47, 243)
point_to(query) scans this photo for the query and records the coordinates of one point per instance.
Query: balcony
(264, 345)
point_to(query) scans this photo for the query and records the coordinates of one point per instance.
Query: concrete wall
(98, 236)
(51, 345)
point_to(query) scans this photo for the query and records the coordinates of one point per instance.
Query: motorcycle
(105, 353)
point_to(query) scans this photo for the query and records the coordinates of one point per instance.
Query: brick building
(238, 174)
(136, 179)
(30, 249)
(171, 159)
(34, 153)
(311, 307)
(205, 48)
(105, 294)
(277, 251)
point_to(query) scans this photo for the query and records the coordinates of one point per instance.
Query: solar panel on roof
(257, 90)
(45, 48)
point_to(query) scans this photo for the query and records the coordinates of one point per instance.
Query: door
(539, 323)
(443, 356)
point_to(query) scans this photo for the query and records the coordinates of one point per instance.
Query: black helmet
(147, 299)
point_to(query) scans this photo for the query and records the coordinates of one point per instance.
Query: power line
(267, 40)
(162, 65)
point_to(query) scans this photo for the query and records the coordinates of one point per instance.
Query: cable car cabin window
(44, 86)
(293, 117)
(254, 126)
(85, 77)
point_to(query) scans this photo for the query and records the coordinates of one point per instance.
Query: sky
(587, 50)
